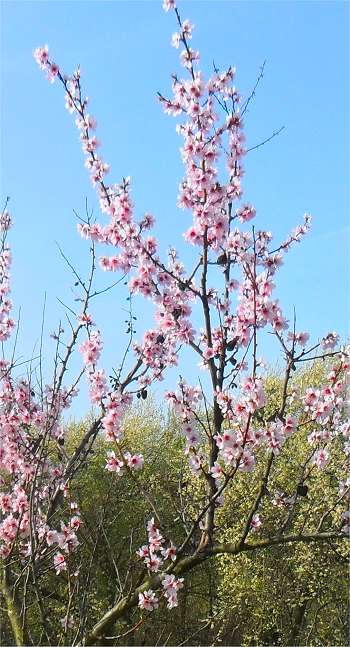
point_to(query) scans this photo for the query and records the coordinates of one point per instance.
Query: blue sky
(125, 55)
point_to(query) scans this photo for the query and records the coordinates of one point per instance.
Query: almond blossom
(148, 600)
(256, 523)
(59, 563)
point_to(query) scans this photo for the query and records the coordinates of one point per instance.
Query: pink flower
(53, 71)
(155, 540)
(321, 458)
(172, 599)
(170, 583)
(148, 600)
(247, 462)
(255, 523)
(300, 338)
(330, 341)
(91, 348)
(143, 552)
(290, 425)
(187, 29)
(41, 55)
(4, 551)
(75, 522)
(90, 145)
(216, 471)
(208, 353)
(195, 464)
(152, 527)
(85, 318)
(169, 4)
(113, 463)
(245, 213)
(59, 563)
(51, 537)
(169, 553)
(135, 461)
(5, 502)
(176, 39)
(171, 586)
(153, 563)
(233, 284)
(311, 397)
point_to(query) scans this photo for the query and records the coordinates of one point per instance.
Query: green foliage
(293, 594)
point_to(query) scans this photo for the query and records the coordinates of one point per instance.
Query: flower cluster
(66, 540)
(153, 279)
(114, 464)
(91, 350)
(154, 553)
(115, 408)
(201, 191)
(185, 402)
(27, 426)
(171, 586)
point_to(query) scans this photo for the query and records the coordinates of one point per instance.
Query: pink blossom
(255, 523)
(75, 522)
(153, 562)
(134, 461)
(195, 464)
(113, 463)
(170, 552)
(245, 213)
(85, 319)
(208, 353)
(176, 39)
(155, 540)
(290, 425)
(5, 503)
(169, 4)
(51, 537)
(148, 600)
(143, 552)
(321, 458)
(171, 586)
(41, 55)
(91, 348)
(53, 71)
(247, 462)
(300, 338)
(330, 341)
(216, 471)
(59, 563)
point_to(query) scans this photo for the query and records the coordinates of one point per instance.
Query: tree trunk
(13, 610)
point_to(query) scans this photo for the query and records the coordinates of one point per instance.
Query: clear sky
(125, 55)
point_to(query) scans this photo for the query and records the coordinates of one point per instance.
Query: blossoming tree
(226, 429)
